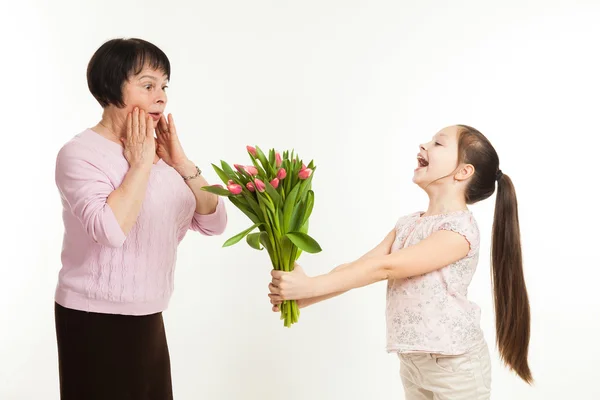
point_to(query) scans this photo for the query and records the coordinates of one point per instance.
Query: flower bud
(235, 188)
(281, 174)
(305, 173)
(260, 185)
(251, 170)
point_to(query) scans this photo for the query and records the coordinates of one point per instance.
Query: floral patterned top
(431, 313)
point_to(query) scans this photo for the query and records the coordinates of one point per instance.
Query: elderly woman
(128, 200)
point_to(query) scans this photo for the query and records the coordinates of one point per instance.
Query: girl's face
(438, 159)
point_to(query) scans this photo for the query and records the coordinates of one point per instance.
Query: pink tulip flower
(304, 173)
(260, 185)
(281, 174)
(251, 170)
(235, 188)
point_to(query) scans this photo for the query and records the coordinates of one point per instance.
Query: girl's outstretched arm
(382, 249)
(437, 251)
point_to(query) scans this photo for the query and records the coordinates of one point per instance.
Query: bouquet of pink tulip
(275, 193)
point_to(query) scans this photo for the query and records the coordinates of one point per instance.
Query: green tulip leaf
(288, 208)
(233, 240)
(216, 190)
(253, 240)
(229, 171)
(304, 242)
(221, 174)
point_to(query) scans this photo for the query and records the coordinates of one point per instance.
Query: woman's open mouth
(155, 116)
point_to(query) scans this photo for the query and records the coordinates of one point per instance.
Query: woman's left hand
(293, 285)
(168, 145)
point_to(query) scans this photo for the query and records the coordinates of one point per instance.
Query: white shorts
(428, 376)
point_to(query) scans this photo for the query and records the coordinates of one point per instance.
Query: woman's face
(146, 90)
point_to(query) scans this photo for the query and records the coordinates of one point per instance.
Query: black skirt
(112, 357)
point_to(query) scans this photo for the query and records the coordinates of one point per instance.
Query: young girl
(429, 260)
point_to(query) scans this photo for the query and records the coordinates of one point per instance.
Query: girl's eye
(438, 144)
(165, 87)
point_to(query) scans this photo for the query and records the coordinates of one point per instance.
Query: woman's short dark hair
(118, 59)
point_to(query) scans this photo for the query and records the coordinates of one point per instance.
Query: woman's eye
(165, 87)
(438, 144)
(148, 87)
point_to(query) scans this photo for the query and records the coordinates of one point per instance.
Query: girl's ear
(464, 172)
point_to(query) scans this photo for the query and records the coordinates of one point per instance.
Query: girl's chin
(418, 178)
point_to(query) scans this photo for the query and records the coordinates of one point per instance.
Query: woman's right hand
(139, 144)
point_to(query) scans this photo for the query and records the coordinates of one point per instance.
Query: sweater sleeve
(211, 224)
(85, 189)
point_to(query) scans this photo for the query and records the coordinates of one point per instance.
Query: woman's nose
(161, 97)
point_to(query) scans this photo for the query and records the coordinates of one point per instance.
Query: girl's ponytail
(510, 293)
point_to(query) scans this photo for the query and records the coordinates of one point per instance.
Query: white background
(356, 85)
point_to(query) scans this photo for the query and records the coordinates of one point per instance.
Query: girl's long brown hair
(510, 292)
